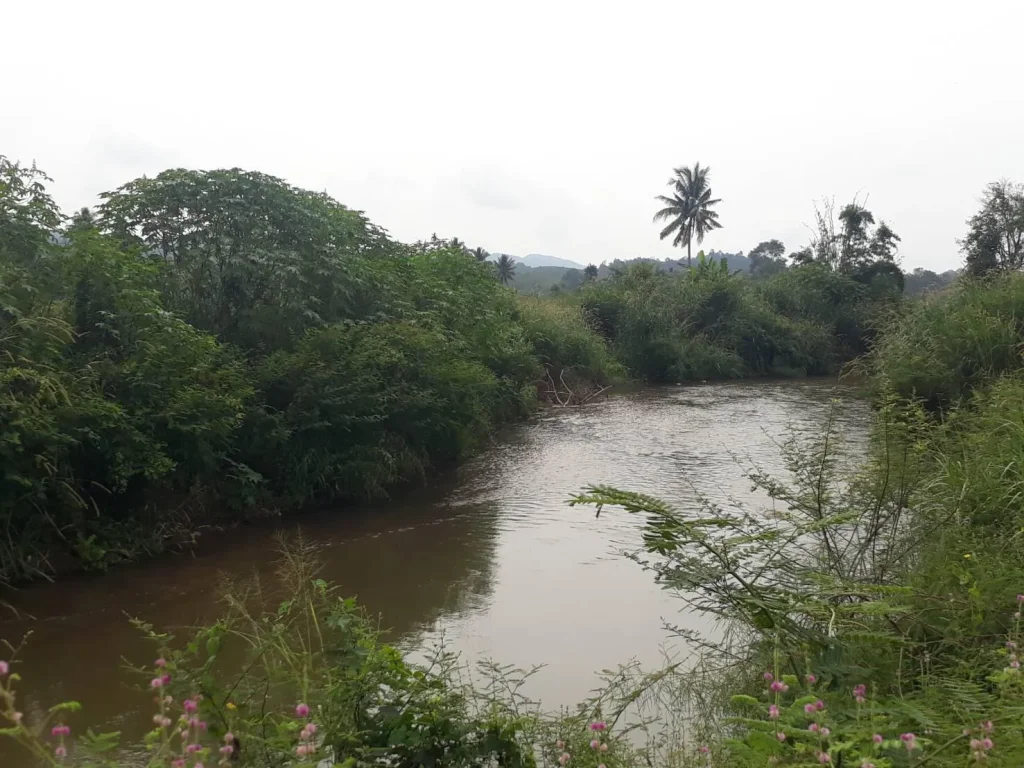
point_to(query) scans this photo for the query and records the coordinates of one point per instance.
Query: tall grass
(945, 347)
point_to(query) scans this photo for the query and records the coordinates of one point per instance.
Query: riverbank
(490, 558)
(169, 369)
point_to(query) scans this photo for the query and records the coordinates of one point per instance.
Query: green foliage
(363, 407)
(105, 398)
(995, 235)
(218, 341)
(562, 336)
(246, 256)
(711, 324)
(767, 258)
(946, 346)
(314, 682)
(876, 599)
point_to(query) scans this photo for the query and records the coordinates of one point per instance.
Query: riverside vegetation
(871, 616)
(207, 346)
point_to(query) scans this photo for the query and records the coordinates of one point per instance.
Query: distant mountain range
(541, 260)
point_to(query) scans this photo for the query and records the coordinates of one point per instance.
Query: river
(489, 556)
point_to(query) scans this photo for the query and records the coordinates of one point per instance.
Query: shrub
(946, 346)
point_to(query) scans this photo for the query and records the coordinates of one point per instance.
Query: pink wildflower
(703, 749)
(302, 710)
(780, 736)
(809, 709)
(986, 743)
(825, 731)
(598, 725)
(773, 712)
(198, 765)
(4, 668)
(768, 676)
(975, 744)
(813, 727)
(1010, 644)
(601, 765)
(595, 744)
(229, 737)
(60, 752)
(191, 748)
(860, 691)
(559, 744)
(1014, 664)
(227, 749)
(604, 747)
(811, 679)
(166, 722)
(819, 705)
(60, 730)
(166, 679)
(1020, 598)
(867, 765)
(189, 705)
(861, 700)
(156, 682)
(824, 758)
(178, 763)
(563, 758)
(877, 738)
(160, 663)
(778, 687)
(987, 726)
(909, 741)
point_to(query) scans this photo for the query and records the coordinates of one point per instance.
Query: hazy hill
(543, 260)
(539, 260)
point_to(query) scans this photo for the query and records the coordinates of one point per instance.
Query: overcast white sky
(535, 126)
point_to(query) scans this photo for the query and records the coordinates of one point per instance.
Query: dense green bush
(563, 337)
(107, 400)
(215, 342)
(360, 408)
(708, 323)
(946, 346)
(873, 614)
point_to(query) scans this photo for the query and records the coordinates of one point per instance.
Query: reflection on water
(490, 556)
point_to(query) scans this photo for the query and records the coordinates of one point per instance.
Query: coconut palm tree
(506, 269)
(689, 208)
(480, 253)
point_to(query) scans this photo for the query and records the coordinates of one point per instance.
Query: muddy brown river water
(489, 556)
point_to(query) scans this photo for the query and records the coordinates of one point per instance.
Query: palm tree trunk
(689, 242)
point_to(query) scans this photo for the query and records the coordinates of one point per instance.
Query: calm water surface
(490, 556)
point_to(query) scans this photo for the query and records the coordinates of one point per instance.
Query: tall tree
(855, 243)
(506, 269)
(995, 235)
(767, 258)
(480, 254)
(590, 272)
(249, 257)
(853, 237)
(689, 208)
(883, 243)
